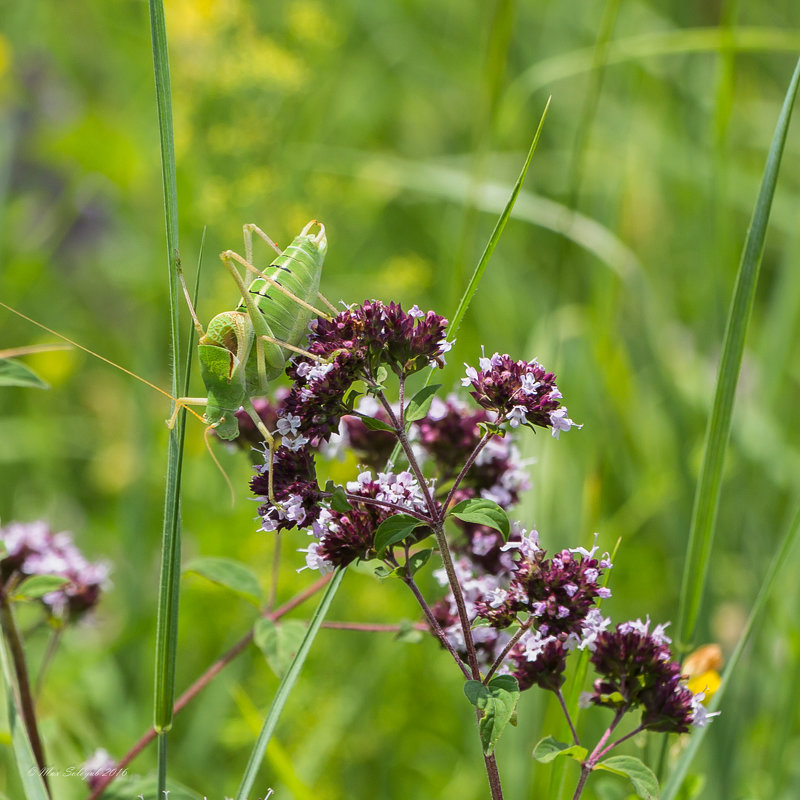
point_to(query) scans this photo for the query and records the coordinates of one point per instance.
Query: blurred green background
(402, 126)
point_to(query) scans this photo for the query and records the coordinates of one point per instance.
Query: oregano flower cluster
(437, 480)
(33, 548)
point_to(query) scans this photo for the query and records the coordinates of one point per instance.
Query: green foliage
(229, 573)
(497, 703)
(279, 642)
(642, 777)
(393, 530)
(548, 749)
(15, 373)
(479, 511)
(420, 403)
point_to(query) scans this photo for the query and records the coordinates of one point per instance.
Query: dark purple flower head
(344, 536)
(352, 346)
(519, 392)
(559, 592)
(377, 334)
(295, 489)
(539, 661)
(637, 670)
(316, 401)
(33, 549)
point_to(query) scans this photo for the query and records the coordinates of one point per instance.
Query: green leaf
(419, 405)
(231, 574)
(381, 374)
(497, 703)
(279, 642)
(548, 749)
(393, 530)
(15, 373)
(339, 500)
(287, 683)
(480, 511)
(644, 781)
(39, 585)
(377, 424)
(709, 484)
(382, 572)
(417, 561)
(351, 397)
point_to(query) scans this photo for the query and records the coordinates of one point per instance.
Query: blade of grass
(23, 752)
(480, 268)
(648, 45)
(701, 535)
(780, 558)
(169, 584)
(472, 286)
(285, 687)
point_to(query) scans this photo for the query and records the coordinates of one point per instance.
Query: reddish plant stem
(511, 642)
(372, 627)
(493, 775)
(204, 680)
(434, 623)
(566, 714)
(470, 461)
(621, 739)
(371, 501)
(26, 705)
(588, 765)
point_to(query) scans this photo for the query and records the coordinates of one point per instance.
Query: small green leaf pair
(645, 783)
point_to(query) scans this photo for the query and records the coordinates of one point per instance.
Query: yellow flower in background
(702, 668)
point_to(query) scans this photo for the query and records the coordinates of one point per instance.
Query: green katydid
(243, 350)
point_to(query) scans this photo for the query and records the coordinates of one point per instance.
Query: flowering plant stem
(436, 516)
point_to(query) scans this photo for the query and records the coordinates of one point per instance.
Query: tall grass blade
(286, 685)
(472, 286)
(169, 584)
(704, 514)
(781, 557)
(23, 752)
(742, 39)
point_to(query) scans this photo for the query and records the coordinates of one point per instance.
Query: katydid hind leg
(229, 255)
(249, 229)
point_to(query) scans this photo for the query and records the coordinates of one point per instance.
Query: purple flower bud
(519, 392)
(33, 549)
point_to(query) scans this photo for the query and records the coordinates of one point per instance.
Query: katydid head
(223, 377)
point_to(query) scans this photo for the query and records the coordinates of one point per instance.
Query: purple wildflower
(344, 536)
(33, 549)
(637, 670)
(295, 489)
(354, 345)
(520, 392)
